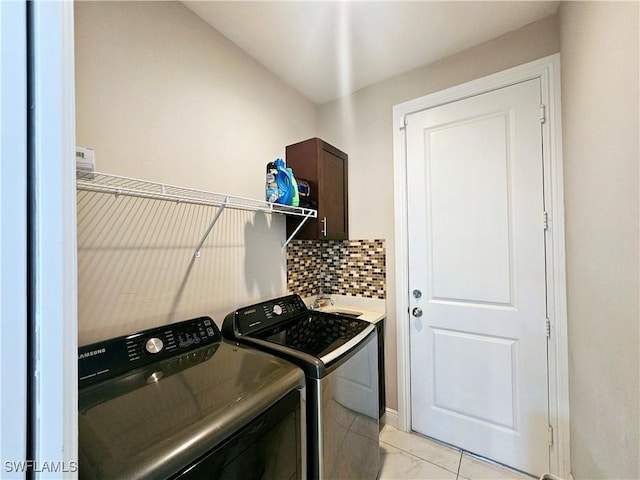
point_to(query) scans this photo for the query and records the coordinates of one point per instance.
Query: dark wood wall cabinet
(325, 168)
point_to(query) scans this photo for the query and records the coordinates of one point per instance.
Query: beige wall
(361, 125)
(599, 42)
(162, 96)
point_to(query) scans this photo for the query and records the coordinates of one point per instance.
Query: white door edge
(548, 70)
(13, 233)
(55, 292)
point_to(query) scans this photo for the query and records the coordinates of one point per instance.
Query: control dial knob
(154, 345)
(277, 309)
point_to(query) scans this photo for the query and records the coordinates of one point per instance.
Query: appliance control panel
(262, 315)
(107, 359)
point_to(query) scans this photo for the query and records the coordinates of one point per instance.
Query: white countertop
(371, 309)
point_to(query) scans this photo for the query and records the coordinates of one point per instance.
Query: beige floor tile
(473, 469)
(398, 465)
(433, 452)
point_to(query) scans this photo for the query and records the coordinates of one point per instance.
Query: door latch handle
(416, 312)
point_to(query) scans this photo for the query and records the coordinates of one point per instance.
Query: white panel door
(477, 255)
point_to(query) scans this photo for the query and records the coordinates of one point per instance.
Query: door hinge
(543, 116)
(548, 327)
(545, 220)
(403, 123)
(550, 436)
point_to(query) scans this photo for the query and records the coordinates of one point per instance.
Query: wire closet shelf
(133, 187)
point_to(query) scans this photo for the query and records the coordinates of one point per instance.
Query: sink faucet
(321, 300)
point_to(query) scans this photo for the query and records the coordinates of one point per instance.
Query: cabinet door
(332, 195)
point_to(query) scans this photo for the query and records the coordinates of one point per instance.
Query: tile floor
(407, 456)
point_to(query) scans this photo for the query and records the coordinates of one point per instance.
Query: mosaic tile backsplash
(338, 267)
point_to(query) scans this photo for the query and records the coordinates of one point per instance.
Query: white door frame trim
(55, 290)
(547, 69)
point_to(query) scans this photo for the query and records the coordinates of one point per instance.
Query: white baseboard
(390, 418)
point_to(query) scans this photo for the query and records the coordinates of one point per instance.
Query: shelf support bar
(302, 222)
(211, 225)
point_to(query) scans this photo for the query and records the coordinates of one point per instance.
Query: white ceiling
(329, 49)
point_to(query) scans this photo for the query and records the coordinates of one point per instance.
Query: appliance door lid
(154, 426)
(321, 335)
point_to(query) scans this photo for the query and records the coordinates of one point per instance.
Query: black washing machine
(339, 356)
(180, 402)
